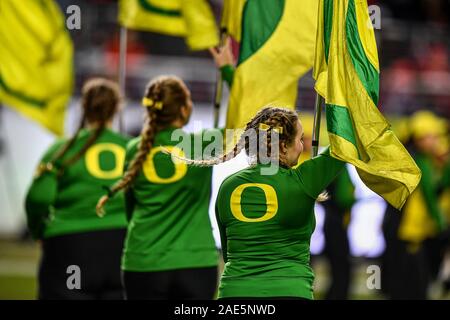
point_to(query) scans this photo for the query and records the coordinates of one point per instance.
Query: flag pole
(122, 71)
(219, 83)
(316, 128)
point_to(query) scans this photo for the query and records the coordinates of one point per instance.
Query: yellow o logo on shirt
(93, 160)
(150, 171)
(271, 202)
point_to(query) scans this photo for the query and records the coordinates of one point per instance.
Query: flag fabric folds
(277, 48)
(36, 61)
(191, 19)
(347, 75)
(232, 17)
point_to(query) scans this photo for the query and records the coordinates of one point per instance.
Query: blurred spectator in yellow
(414, 237)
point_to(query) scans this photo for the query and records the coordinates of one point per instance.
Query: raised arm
(223, 57)
(317, 173)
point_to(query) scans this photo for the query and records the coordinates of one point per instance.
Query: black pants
(92, 257)
(337, 251)
(185, 284)
(405, 272)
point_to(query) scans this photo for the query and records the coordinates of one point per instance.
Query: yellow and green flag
(347, 75)
(277, 48)
(191, 19)
(36, 61)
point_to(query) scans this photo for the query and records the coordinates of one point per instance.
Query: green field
(18, 267)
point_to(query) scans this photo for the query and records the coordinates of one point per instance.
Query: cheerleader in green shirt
(169, 251)
(81, 252)
(266, 220)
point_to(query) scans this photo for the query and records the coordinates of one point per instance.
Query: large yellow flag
(36, 61)
(191, 19)
(347, 76)
(277, 48)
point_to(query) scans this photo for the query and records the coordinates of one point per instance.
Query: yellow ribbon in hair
(148, 102)
(266, 127)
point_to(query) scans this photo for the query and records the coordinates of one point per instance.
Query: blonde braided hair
(168, 94)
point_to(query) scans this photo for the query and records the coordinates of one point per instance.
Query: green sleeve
(40, 194)
(317, 173)
(429, 192)
(223, 236)
(36, 218)
(227, 72)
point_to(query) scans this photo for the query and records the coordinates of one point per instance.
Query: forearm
(318, 173)
(40, 197)
(36, 218)
(227, 72)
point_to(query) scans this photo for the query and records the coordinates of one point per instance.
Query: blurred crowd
(417, 237)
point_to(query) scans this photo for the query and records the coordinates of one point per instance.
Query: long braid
(268, 115)
(171, 94)
(92, 138)
(238, 147)
(146, 144)
(148, 136)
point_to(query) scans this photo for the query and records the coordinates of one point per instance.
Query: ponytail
(63, 150)
(100, 101)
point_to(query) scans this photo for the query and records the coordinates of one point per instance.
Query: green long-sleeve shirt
(266, 223)
(227, 72)
(79, 188)
(168, 207)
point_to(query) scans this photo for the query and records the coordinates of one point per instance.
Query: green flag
(347, 76)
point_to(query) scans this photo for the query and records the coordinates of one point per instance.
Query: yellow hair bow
(148, 102)
(266, 127)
